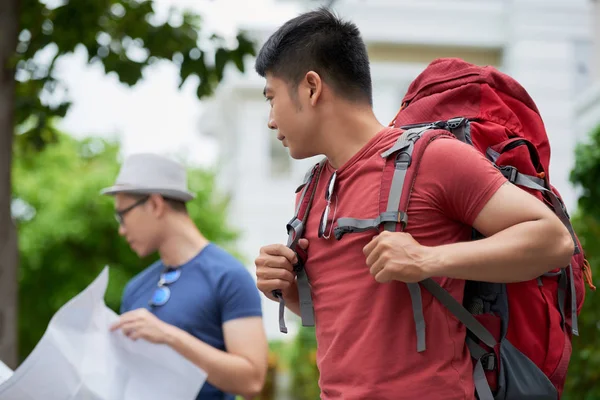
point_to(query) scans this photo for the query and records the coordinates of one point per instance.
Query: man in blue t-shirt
(197, 299)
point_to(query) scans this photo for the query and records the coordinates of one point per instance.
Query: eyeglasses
(325, 216)
(162, 293)
(120, 214)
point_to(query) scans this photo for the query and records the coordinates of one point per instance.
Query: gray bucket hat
(147, 173)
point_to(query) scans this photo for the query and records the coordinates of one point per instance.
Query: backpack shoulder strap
(400, 171)
(401, 187)
(403, 178)
(403, 151)
(295, 230)
(406, 167)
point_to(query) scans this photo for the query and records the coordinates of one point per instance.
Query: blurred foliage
(68, 233)
(57, 192)
(295, 359)
(583, 382)
(124, 36)
(303, 366)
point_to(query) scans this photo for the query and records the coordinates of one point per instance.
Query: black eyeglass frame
(120, 214)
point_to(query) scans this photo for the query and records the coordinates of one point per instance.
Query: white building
(544, 44)
(587, 106)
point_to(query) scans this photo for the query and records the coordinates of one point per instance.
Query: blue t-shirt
(213, 288)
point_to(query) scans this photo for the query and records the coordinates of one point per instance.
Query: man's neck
(348, 132)
(182, 243)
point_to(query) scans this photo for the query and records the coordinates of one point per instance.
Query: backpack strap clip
(509, 172)
(461, 128)
(404, 157)
(488, 361)
(295, 230)
(351, 225)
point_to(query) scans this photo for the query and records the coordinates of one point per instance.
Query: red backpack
(519, 334)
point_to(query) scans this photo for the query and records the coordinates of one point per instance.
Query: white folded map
(79, 358)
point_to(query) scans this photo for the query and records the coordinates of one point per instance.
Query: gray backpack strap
(534, 183)
(403, 147)
(295, 229)
(574, 323)
(351, 225)
(461, 128)
(485, 361)
(403, 150)
(460, 312)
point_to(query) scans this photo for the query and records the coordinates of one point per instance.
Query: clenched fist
(274, 270)
(397, 256)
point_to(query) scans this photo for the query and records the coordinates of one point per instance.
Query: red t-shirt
(365, 330)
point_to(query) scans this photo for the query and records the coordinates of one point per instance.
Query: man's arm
(240, 370)
(524, 239)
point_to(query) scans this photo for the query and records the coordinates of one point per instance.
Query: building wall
(595, 4)
(541, 46)
(587, 106)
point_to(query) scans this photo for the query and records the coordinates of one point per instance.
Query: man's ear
(158, 204)
(314, 86)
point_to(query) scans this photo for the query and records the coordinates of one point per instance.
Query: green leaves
(586, 173)
(304, 371)
(67, 231)
(125, 36)
(584, 370)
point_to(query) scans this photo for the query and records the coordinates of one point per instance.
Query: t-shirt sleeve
(125, 299)
(460, 180)
(239, 297)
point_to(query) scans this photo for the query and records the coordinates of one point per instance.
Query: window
(403, 89)
(280, 161)
(583, 65)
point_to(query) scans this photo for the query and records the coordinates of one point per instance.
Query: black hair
(175, 205)
(319, 41)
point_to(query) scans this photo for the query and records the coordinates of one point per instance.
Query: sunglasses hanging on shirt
(162, 293)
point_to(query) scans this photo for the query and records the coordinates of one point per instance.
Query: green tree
(584, 371)
(125, 37)
(68, 232)
(303, 366)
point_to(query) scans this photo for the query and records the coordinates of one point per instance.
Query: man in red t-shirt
(319, 87)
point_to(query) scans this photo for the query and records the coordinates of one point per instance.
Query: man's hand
(396, 256)
(274, 270)
(141, 324)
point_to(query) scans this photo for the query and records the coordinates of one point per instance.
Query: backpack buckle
(488, 361)
(509, 172)
(403, 160)
(454, 123)
(293, 225)
(302, 256)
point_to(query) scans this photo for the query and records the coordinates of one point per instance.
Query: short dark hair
(319, 41)
(175, 205)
